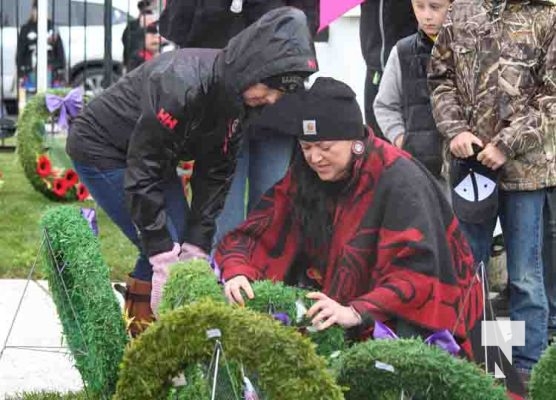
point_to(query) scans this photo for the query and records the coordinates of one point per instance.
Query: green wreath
(188, 282)
(382, 369)
(543, 378)
(284, 299)
(80, 285)
(46, 165)
(194, 280)
(287, 365)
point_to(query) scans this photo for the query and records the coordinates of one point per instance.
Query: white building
(341, 57)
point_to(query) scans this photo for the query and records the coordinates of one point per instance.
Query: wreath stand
(88, 310)
(46, 246)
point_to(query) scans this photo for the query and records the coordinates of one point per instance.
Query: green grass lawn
(21, 209)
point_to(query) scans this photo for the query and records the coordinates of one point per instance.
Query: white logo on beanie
(485, 187)
(309, 127)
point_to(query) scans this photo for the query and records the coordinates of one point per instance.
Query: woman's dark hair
(314, 202)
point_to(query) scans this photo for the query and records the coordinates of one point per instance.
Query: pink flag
(331, 10)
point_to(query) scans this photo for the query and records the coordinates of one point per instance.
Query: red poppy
(71, 177)
(187, 165)
(82, 192)
(44, 167)
(60, 187)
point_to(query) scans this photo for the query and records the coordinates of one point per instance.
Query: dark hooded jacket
(210, 23)
(185, 105)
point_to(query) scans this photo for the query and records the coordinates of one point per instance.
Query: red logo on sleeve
(167, 119)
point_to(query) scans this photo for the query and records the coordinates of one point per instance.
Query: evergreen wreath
(543, 378)
(282, 299)
(88, 309)
(194, 280)
(188, 282)
(287, 366)
(55, 182)
(382, 369)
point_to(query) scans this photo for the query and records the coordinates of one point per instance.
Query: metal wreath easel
(46, 246)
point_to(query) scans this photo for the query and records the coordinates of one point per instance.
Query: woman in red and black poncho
(358, 221)
(365, 226)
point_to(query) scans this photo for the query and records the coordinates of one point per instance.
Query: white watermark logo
(503, 334)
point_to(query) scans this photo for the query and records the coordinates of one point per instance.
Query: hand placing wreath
(234, 287)
(327, 312)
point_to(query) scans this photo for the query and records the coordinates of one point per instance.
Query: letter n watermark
(503, 334)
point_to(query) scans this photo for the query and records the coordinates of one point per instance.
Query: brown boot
(138, 305)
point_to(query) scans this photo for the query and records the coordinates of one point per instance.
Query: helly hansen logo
(167, 119)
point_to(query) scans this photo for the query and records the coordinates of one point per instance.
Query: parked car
(81, 28)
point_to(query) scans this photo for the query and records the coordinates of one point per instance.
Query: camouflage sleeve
(530, 123)
(447, 110)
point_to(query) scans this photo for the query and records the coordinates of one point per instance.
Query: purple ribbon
(90, 216)
(216, 269)
(442, 339)
(282, 317)
(71, 104)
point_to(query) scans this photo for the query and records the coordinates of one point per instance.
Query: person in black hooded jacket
(211, 23)
(127, 142)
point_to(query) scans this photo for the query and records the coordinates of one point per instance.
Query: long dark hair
(315, 200)
(314, 203)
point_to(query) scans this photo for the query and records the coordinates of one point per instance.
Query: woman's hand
(233, 288)
(328, 312)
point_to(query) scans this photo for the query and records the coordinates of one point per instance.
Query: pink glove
(161, 269)
(190, 252)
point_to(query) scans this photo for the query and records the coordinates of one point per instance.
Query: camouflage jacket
(493, 73)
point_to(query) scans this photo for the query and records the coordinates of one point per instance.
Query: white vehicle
(81, 28)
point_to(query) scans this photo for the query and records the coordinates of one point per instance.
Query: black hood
(277, 43)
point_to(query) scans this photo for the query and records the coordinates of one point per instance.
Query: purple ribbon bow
(90, 216)
(442, 339)
(71, 104)
(282, 317)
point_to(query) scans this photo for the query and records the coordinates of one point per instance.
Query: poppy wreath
(55, 182)
(543, 378)
(288, 367)
(79, 282)
(384, 369)
(195, 280)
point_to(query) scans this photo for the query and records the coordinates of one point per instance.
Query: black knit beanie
(327, 111)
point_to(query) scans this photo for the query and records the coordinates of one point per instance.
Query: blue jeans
(107, 188)
(521, 216)
(549, 256)
(260, 164)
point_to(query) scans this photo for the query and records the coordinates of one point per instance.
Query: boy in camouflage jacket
(493, 83)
